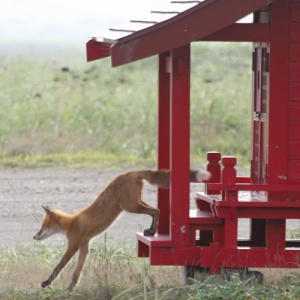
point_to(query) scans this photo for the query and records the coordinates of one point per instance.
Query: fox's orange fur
(123, 193)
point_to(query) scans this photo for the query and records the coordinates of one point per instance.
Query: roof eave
(97, 50)
(191, 25)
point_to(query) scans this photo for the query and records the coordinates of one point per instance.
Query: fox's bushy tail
(161, 178)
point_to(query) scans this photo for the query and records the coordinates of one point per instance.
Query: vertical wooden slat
(180, 144)
(294, 71)
(260, 113)
(275, 234)
(294, 91)
(295, 12)
(294, 169)
(256, 126)
(295, 32)
(294, 130)
(163, 148)
(294, 111)
(294, 153)
(294, 51)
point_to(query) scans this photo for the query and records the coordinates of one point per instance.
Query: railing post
(231, 222)
(214, 167)
(229, 177)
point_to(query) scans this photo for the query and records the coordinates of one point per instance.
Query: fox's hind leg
(143, 208)
(154, 213)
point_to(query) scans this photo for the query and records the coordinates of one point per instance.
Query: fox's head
(50, 225)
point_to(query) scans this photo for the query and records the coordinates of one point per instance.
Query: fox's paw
(70, 288)
(149, 232)
(45, 283)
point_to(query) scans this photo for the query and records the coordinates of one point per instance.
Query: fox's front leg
(64, 260)
(83, 252)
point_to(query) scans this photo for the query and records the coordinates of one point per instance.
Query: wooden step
(158, 240)
(203, 217)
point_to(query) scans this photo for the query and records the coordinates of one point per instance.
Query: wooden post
(229, 176)
(230, 223)
(278, 114)
(163, 148)
(214, 167)
(180, 145)
(278, 111)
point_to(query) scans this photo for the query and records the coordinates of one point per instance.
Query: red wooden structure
(208, 237)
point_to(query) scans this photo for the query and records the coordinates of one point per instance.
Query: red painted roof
(193, 24)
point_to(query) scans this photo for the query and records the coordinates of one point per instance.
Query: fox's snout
(36, 237)
(41, 235)
(44, 233)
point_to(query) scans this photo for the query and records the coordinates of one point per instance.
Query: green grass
(77, 160)
(114, 272)
(65, 107)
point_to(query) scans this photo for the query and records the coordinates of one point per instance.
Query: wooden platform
(250, 206)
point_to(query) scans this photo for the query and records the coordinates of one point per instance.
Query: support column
(278, 106)
(278, 114)
(180, 145)
(163, 148)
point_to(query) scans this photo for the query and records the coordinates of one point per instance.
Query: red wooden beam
(278, 215)
(96, 50)
(254, 187)
(238, 32)
(193, 24)
(215, 257)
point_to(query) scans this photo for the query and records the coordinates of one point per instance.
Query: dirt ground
(23, 191)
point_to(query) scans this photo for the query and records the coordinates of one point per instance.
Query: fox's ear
(47, 210)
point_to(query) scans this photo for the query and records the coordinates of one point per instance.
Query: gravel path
(22, 192)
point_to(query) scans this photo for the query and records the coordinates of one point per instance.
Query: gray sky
(40, 19)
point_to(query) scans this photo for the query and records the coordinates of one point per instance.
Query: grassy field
(114, 272)
(58, 110)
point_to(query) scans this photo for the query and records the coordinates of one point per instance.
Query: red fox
(123, 193)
